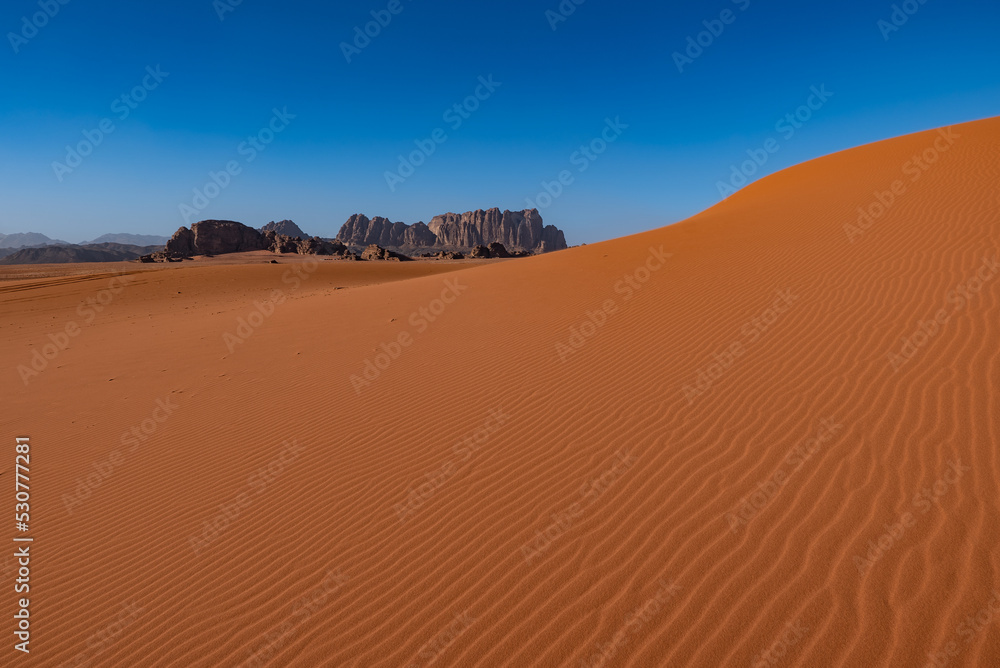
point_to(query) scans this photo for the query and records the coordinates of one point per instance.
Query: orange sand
(575, 511)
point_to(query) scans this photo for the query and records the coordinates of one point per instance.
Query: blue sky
(555, 85)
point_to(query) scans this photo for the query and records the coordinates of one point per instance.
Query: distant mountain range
(21, 239)
(32, 239)
(67, 253)
(35, 248)
(129, 239)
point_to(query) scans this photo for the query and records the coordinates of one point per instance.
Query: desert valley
(762, 436)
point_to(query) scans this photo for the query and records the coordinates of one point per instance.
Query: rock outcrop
(215, 237)
(520, 230)
(280, 243)
(359, 230)
(497, 249)
(490, 233)
(375, 252)
(219, 237)
(285, 227)
(480, 252)
(517, 230)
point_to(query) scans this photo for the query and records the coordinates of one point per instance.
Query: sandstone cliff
(516, 230)
(360, 231)
(519, 230)
(218, 237)
(215, 237)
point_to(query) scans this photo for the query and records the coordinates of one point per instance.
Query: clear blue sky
(353, 119)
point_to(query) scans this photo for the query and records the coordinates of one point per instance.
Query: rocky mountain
(376, 252)
(360, 231)
(219, 237)
(285, 227)
(380, 238)
(516, 230)
(22, 239)
(64, 254)
(215, 237)
(280, 243)
(129, 239)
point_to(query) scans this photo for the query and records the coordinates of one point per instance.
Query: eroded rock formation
(215, 237)
(375, 252)
(285, 227)
(218, 237)
(517, 230)
(359, 230)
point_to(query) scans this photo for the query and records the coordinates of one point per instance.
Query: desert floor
(766, 435)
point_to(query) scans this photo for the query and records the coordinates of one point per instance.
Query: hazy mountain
(129, 239)
(64, 254)
(21, 239)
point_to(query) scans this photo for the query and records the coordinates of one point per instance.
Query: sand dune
(705, 445)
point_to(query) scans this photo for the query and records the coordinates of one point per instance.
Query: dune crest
(836, 326)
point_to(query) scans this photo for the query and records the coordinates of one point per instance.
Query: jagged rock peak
(285, 227)
(516, 230)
